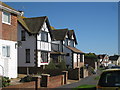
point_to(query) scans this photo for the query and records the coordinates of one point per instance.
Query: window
(71, 43)
(27, 55)
(44, 57)
(66, 41)
(6, 17)
(81, 58)
(44, 36)
(22, 35)
(6, 51)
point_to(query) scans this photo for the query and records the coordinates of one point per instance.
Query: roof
(114, 58)
(101, 56)
(5, 5)
(33, 25)
(8, 8)
(59, 34)
(74, 49)
(70, 33)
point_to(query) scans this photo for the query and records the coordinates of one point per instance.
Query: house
(115, 59)
(34, 38)
(103, 59)
(8, 40)
(63, 45)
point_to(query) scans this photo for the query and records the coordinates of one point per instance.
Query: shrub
(5, 81)
(26, 79)
(62, 65)
(51, 65)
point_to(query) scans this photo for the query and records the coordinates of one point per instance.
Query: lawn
(85, 86)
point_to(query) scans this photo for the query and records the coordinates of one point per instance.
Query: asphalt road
(85, 81)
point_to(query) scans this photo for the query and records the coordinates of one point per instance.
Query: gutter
(10, 10)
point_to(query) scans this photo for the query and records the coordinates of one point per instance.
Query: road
(85, 81)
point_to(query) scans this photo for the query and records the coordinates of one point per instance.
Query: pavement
(90, 80)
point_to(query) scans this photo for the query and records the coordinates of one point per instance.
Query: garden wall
(33, 84)
(52, 82)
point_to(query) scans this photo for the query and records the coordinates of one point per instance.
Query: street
(85, 81)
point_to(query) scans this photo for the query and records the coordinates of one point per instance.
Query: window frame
(43, 60)
(9, 23)
(43, 32)
(7, 53)
(23, 38)
(26, 59)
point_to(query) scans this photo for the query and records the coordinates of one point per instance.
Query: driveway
(85, 81)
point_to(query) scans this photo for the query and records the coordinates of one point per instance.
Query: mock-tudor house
(115, 59)
(34, 39)
(103, 59)
(63, 47)
(8, 40)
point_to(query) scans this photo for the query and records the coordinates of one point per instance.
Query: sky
(95, 23)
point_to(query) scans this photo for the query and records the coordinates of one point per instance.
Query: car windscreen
(110, 79)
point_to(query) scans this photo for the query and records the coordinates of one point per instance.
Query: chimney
(22, 13)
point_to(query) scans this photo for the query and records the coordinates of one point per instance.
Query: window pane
(44, 36)
(4, 51)
(8, 51)
(23, 35)
(27, 55)
(44, 57)
(6, 17)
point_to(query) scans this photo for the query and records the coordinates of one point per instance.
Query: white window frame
(3, 17)
(6, 52)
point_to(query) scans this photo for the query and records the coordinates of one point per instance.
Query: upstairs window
(44, 36)
(6, 51)
(6, 17)
(22, 35)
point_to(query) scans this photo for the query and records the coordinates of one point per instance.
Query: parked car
(111, 65)
(109, 80)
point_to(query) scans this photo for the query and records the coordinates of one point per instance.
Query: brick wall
(32, 84)
(52, 82)
(9, 32)
(56, 81)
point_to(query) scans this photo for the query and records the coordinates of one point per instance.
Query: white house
(115, 59)
(104, 59)
(34, 38)
(64, 42)
(8, 40)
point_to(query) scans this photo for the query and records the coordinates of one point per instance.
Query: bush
(62, 65)
(26, 79)
(51, 65)
(5, 81)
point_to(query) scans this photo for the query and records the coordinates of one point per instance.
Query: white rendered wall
(9, 64)
(43, 46)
